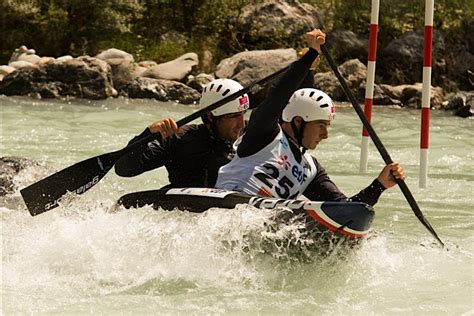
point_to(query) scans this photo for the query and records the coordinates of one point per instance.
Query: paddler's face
(231, 126)
(314, 132)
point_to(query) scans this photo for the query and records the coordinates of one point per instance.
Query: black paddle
(45, 194)
(380, 147)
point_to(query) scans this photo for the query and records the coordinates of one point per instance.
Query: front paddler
(271, 157)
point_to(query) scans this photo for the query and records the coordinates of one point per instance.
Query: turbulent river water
(80, 258)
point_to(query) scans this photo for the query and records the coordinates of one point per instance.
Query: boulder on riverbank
(462, 104)
(82, 77)
(161, 90)
(175, 70)
(250, 66)
(275, 19)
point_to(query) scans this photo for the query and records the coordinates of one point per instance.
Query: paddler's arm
(370, 194)
(322, 188)
(385, 180)
(263, 124)
(152, 155)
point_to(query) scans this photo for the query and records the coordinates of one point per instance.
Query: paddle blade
(78, 178)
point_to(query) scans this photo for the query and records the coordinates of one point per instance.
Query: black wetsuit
(191, 158)
(263, 127)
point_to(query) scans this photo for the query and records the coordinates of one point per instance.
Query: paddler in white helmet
(272, 158)
(192, 154)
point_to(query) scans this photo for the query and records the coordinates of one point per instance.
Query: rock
(462, 103)
(465, 111)
(176, 70)
(114, 56)
(34, 59)
(24, 54)
(275, 19)
(64, 58)
(9, 168)
(403, 59)
(5, 70)
(395, 91)
(199, 81)
(19, 64)
(143, 66)
(461, 67)
(44, 60)
(411, 96)
(83, 77)
(327, 82)
(455, 103)
(353, 71)
(17, 52)
(251, 66)
(138, 71)
(383, 95)
(122, 73)
(348, 45)
(470, 98)
(162, 90)
(147, 64)
(121, 64)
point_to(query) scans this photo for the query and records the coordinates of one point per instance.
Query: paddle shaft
(205, 110)
(378, 144)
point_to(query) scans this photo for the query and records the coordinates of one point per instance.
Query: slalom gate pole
(425, 95)
(369, 88)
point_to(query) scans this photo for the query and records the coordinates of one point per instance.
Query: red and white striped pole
(426, 94)
(369, 87)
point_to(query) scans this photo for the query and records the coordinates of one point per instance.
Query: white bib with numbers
(273, 171)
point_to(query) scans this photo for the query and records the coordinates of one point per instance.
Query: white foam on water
(79, 258)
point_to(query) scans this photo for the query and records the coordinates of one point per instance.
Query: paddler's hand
(315, 39)
(389, 173)
(166, 127)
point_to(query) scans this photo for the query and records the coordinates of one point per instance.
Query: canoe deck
(349, 219)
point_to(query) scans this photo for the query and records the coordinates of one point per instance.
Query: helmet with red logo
(220, 88)
(311, 104)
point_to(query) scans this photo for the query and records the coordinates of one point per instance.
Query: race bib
(282, 177)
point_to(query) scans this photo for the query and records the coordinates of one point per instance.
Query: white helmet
(220, 88)
(311, 104)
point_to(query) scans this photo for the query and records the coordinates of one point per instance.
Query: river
(81, 259)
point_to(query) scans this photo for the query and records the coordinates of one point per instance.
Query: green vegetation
(164, 29)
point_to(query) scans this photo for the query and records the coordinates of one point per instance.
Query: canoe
(348, 220)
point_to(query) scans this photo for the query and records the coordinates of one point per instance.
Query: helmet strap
(205, 119)
(214, 129)
(299, 133)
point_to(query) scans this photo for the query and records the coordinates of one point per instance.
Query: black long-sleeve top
(192, 158)
(263, 127)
